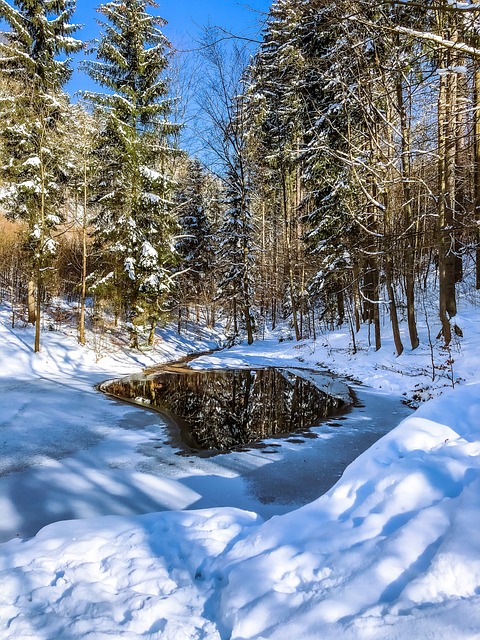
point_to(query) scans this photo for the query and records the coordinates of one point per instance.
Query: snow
(393, 543)
(149, 255)
(149, 173)
(390, 552)
(33, 161)
(130, 267)
(29, 185)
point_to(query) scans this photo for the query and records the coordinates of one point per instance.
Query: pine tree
(136, 223)
(274, 102)
(195, 244)
(237, 252)
(33, 120)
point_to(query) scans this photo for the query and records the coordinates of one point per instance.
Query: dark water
(223, 410)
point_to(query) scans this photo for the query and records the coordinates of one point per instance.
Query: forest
(339, 179)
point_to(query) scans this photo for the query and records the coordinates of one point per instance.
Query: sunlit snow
(390, 552)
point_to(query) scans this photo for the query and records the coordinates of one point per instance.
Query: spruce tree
(275, 107)
(223, 104)
(33, 119)
(195, 244)
(136, 224)
(327, 189)
(237, 251)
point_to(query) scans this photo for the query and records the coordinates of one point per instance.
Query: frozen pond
(217, 411)
(68, 451)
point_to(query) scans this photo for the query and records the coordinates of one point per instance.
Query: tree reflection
(221, 410)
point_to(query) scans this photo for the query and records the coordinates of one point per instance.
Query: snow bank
(116, 577)
(392, 551)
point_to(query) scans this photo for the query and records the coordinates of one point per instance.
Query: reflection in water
(221, 410)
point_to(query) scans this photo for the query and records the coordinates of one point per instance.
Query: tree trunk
(340, 304)
(235, 319)
(446, 197)
(376, 311)
(288, 256)
(31, 301)
(476, 151)
(248, 324)
(392, 305)
(38, 311)
(371, 305)
(83, 293)
(405, 165)
(356, 298)
(275, 275)
(39, 258)
(461, 158)
(151, 334)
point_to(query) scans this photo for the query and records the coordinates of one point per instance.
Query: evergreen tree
(33, 121)
(195, 244)
(136, 223)
(237, 252)
(195, 230)
(326, 181)
(276, 124)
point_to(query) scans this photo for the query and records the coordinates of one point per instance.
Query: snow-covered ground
(390, 552)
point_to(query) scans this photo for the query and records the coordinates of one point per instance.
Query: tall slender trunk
(371, 304)
(41, 248)
(476, 151)
(246, 300)
(275, 274)
(405, 168)
(461, 159)
(38, 309)
(288, 255)
(235, 319)
(83, 292)
(372, 262)
(340, 303)
(376, 308)
(356, 297)
(248, 324)
(446, 194)
(392, 305)
(246, 276)
(263, 269)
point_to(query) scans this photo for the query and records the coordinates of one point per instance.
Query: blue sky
(185, 19)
